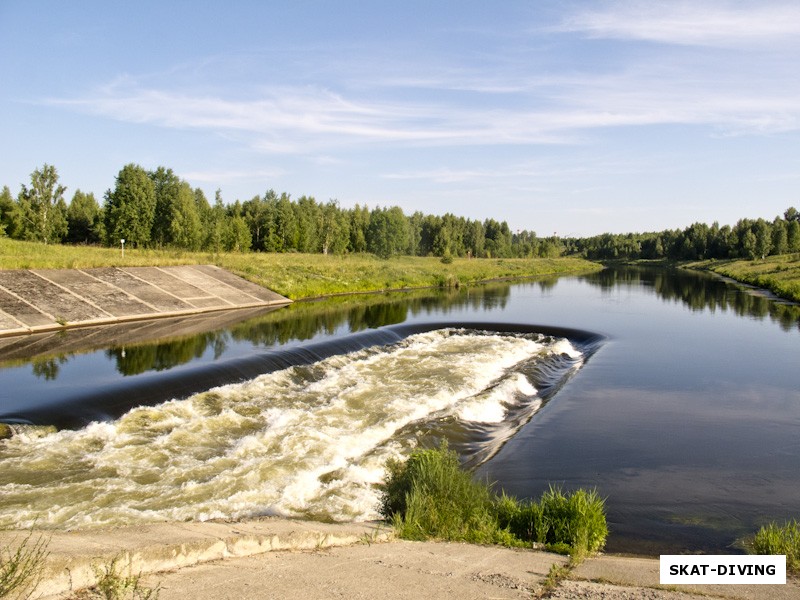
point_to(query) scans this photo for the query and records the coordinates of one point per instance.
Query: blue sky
(569, 117)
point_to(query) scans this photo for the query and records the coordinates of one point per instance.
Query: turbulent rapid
(305, 441)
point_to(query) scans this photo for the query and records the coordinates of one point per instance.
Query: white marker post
(122, 241)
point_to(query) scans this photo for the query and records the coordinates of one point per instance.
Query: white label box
(722, 569)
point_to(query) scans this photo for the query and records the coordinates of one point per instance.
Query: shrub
(772, 539)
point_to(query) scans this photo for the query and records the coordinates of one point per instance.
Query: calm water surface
(684, 412)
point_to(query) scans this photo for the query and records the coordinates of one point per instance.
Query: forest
(157, 209)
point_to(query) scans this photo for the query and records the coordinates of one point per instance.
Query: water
(675, 394)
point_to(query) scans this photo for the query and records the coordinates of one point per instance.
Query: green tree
(42, 208)
(258, 216)
(84, 219)
(334, 229)
(359, 226)
(750, 245)
(388, 232)
(184, 221)
(166, 185)
(8, 213)
(793, 236)
(285, 225)
(763, 235)
(780, 236)
(498, 238)
(237, 235)
(415, 222)
(130, 207)
(474, 239)
(176, 220)
(214, 225)
(310, 219)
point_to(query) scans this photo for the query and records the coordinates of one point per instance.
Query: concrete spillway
(47, 299)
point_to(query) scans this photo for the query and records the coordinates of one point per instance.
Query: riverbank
(778, 274)
(278, 558)
(300, 276)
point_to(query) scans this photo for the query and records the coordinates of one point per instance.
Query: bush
(772, 539)
(430, 496)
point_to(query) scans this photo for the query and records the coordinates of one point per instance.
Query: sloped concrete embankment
(47, 299)
(74, 557)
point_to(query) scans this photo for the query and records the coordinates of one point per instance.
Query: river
(674, 393)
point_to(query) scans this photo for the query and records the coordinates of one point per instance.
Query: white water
(304, 441)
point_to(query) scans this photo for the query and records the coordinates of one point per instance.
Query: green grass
(779, 274)
(429, 496)
(775, 539)
(568, 523)
(299, 276)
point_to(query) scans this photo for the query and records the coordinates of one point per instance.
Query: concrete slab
(212, 286)
(97, 292)
(22, 311)
(74, 556)
(47, 299)
(147, 292)
(397, 570)
(279, 558)
(256, 291)
(164, 280)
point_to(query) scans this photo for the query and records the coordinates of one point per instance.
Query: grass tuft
(114, 584)
(21, 567)
(430, 496)
(775, 539)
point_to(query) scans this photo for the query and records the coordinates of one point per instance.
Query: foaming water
(310, 440)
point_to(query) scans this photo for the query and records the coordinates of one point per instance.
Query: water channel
(676, 394)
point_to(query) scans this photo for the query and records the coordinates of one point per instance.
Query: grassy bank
(779, 274)
(298, 276)
(429, 496)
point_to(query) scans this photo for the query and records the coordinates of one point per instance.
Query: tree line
(157, 209)
(748, 239)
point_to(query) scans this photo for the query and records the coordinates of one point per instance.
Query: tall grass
(775, 539)
(430, 496)
(570, 523)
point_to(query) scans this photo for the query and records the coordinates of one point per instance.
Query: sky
(567, 117)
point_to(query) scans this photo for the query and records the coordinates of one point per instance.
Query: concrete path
(48, 299)
(278, 558)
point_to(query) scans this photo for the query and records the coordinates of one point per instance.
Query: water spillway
(302, 432)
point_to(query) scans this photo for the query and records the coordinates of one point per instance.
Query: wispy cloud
(703, 23)
(517, 102)
(292, 120)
